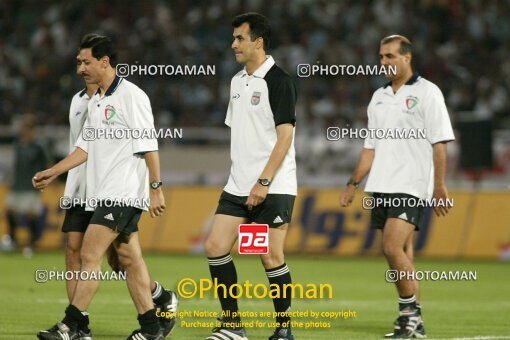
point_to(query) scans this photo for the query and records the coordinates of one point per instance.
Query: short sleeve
(369, 141)
(228, 118)
(82, 143)
(282, 99)
(140, 118)
(437, 121)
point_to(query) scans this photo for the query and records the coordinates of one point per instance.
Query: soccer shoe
(58, 332)
(168, 324)
(7, 244)
(28, 252)
(282, 334)
(138, 335)
(222, 333)
(405, 327)
(82, 335)
(419, 333)
(390, 335)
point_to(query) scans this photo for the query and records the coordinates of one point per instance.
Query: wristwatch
(156, 184)
(264, 182)
(352, 182)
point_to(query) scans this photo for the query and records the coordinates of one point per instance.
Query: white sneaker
(28, 252)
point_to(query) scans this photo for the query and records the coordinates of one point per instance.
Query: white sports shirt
(258, 103)
(406, 165)
(116, 167)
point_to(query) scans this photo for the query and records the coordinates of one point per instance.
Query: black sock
(149, 322)
(418, 306)
(11, 219)
(74, 317)
(224, 271)
(281, 276)
(407, 304)
(34, 230)
(160, 295)
(84, 323)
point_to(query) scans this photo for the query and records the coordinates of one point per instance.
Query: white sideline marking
(478, 337)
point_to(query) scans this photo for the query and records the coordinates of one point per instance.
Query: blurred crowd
(463, 46)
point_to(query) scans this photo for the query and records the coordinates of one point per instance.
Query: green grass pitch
(467, 309)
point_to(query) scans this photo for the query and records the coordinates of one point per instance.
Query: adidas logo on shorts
(109, 217)
(278, 219)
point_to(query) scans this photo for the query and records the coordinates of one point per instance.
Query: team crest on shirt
(109, 112)
(255, 98)
(411, 102)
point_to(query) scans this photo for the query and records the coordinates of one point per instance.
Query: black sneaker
(282, 334)
(390, 335)
(58, 332)
(406, 327)
(420, 331)
(222, 332)
(138, 335)
(168, 323)
(82, 335)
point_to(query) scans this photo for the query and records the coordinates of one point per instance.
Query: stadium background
(462, 46)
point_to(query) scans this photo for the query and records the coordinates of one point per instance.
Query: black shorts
(123, 220)
(76, 219)
(275, 211)
(394, 206)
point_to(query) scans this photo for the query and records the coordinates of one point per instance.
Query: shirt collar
(263, 69)
(411, 81)
(113, 86)
(83, 92)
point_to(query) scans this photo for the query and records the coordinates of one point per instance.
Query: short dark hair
(259, 26)
(405, 44)
(101, 46)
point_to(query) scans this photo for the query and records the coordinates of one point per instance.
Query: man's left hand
(440, 196)
(157, 202)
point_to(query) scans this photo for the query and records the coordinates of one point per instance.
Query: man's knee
(209, 245)
(73, 258)
(214, 247)
(90, 257)
(272, 260)
(391, 251)
(73, 251)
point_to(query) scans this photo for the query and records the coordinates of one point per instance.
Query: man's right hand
(347, 196)
(43, 178)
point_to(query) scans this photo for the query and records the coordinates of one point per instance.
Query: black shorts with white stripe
(397, 208)
(275, 210)
(123, 220)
